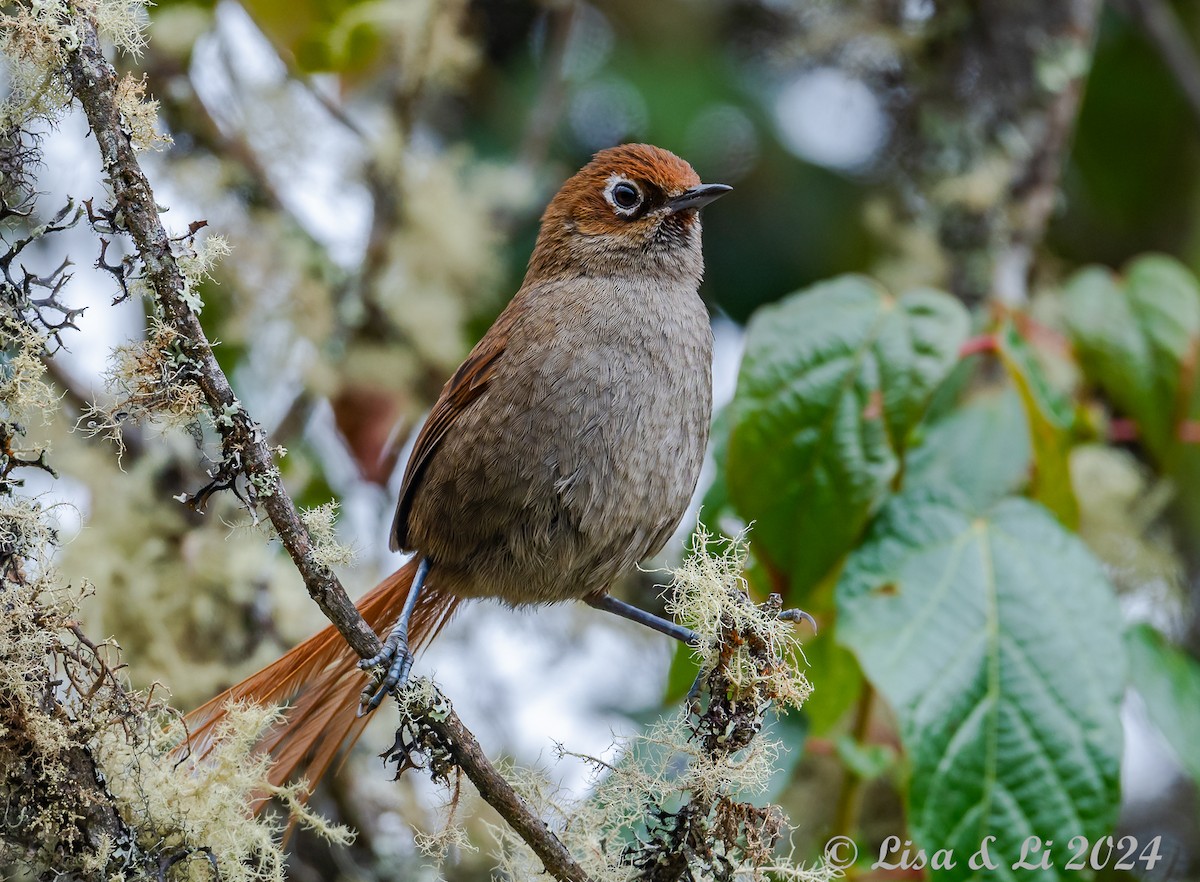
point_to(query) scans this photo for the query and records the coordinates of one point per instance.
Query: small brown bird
(563, 450)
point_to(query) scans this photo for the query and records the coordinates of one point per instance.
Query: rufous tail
(319, 681)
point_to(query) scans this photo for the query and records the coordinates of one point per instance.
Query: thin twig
(455, 742)
(1035, 189)
(335, 110)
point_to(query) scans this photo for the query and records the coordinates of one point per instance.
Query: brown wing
(460, 391)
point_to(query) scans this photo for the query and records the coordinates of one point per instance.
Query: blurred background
(378, 169)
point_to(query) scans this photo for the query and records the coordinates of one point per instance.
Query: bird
(564, 450)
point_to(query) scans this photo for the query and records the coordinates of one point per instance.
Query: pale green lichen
(153, 380)
(707, 595)
(64, 699)
(321, 522)
(149, 383)
(36, 781)
(35, 38)
(437, 845)
(140, 114)
(26, 399)
(25, 395)
(195, 602)
(264, 482)
(188, 803)
(196, 261)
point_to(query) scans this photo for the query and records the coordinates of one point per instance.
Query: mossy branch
(675, 806)
(1055, 94)
(70, 787)
(94, 83)
(746, 670)
(430, 727)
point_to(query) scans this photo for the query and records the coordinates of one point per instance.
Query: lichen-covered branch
(983, 98)
(58, 808)
(432, 735)
(1035, 57)
(1055, 90)
(673, 807)
(713, 832)
(93, 81)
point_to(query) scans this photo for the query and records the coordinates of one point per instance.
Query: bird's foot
(775, 601)
(774, 604)
(798, 615)
(399, 660)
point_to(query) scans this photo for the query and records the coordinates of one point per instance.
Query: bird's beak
(697, 197)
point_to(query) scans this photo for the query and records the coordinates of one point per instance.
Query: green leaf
(982, 449)
(997, 641)
(834, 380)
(953, 390)
(1136, 339)
(1050, 421)
(1169, 682)
(681, 674)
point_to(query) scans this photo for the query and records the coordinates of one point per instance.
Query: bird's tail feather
(320, 682)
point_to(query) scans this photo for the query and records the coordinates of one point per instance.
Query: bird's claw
(399, 660)
(798, 615)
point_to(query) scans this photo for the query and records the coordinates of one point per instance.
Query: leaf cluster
(916, 490)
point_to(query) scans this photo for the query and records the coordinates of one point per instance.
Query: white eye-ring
(623, 195)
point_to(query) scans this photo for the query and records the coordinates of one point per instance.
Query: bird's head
(632, 209)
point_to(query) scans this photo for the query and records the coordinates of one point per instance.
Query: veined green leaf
(982, 449)
(996, 638)
(833, 382)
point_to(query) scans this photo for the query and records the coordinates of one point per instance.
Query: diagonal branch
(441, 736)
(93, 82)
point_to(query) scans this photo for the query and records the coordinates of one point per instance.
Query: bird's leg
(395, 652)
(608, 603)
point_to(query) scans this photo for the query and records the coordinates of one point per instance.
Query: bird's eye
(625, 195)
